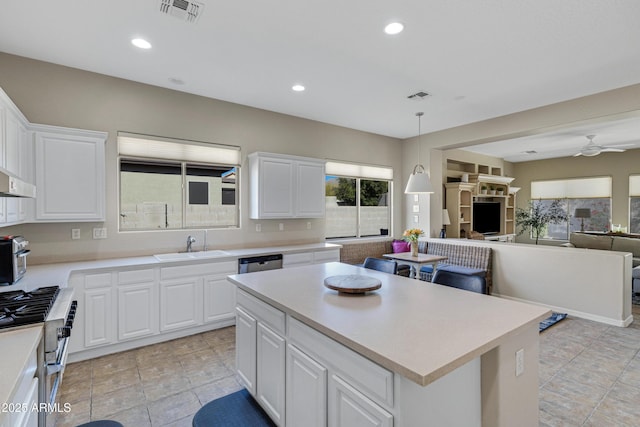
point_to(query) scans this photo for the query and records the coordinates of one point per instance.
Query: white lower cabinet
(261, 354)
(270, 373)
(306, 385)
(350, 408)
(123, 305)
(219, 297)
(98, 330)
(137, 311)
(180, 303)
(246, 334)
(300, 379)
(137, 304)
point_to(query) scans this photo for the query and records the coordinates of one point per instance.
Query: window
(174, 184)
(593, 194)
(634, 204)
(358, 200)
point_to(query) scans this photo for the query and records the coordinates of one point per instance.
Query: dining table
(416, 262)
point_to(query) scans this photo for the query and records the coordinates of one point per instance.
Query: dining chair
(384, 265)
(461, 281)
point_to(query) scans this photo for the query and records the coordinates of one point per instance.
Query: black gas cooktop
(19, 308)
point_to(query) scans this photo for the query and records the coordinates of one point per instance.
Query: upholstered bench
(356, 252)
(461, 258)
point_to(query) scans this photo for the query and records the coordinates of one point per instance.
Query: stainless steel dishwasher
(259, 263)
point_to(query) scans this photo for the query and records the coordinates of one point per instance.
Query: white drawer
(263, 312)
(135, 276)
(181, 271)
(326, 256)
(97, 280)
(297, 259)
(370, 378)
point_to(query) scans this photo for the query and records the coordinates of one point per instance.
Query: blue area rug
(233, 410)
(552, 320)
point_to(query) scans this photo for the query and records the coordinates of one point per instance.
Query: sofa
(612, 242)
(609, 242)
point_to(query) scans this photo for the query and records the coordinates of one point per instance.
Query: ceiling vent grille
(419, 96)
(185, 10)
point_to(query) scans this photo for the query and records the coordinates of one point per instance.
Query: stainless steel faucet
(190, 241)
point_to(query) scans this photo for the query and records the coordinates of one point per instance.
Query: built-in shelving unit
(461, 196)
(456, 169)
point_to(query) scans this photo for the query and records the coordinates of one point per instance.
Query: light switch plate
(75, 234)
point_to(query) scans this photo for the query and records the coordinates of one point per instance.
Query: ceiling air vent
(188, 11)
(419, 96)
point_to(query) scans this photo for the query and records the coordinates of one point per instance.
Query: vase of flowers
(412, 236)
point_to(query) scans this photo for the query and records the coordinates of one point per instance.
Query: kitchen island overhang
(419, 331)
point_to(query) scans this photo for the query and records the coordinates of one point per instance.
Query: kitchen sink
(177, 256)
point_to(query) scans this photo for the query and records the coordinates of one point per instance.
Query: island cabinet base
(309, 379)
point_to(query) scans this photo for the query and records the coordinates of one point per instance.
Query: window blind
(634, 185)
(577, 188)
(135, 145)
(356, 170)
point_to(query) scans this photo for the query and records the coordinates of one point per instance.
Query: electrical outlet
(99, 233)
(258, 228)
(281, 227)
(519, 362)
(75, 233)
(308, 225)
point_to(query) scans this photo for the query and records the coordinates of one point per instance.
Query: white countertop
(58, 274)
(17, 346)
(419, 330)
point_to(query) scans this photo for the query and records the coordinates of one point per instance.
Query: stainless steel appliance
(13, 259)
(55, 309)
(259, 263)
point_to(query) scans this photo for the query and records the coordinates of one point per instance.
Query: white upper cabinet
(70, 174)
(284, 186)
(15, 158)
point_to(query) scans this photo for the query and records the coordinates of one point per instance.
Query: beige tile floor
(589, 376)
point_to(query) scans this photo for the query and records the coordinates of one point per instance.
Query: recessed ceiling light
(141, 43)
(298, 88)
(394, 28)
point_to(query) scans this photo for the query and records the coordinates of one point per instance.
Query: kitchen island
(411, 353)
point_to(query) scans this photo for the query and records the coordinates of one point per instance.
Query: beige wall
(617, 165)
(55, 95)
(62, 96)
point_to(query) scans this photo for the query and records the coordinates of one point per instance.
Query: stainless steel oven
(55, 309)
(13, 258)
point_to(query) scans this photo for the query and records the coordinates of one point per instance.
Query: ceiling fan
(592, 149)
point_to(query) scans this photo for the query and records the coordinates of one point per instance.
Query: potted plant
(538, 215)
(412, 236)
(500, 191)
(483, 189)
(492, 190)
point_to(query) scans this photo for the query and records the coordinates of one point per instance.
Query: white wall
(587, 283)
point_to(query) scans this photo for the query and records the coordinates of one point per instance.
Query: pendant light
(419, 182)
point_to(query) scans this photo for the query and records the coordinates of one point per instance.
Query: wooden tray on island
(352, 283)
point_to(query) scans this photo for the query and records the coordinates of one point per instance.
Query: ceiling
(476, 59)
(622, 133)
